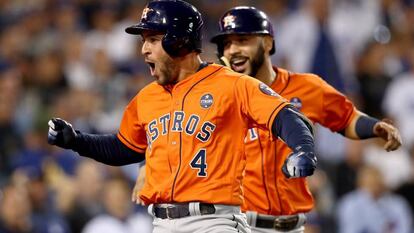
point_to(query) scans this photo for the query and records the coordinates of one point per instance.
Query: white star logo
(229, 21)
(145, 12)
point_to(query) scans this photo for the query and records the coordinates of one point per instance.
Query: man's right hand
(61, 133)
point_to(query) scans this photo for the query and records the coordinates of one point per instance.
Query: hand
(387, 131)
(139, 184)
(300, 163)
(61, 133)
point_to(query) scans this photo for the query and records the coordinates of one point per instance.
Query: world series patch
(296, 102)
(267, 90)
(206, 100)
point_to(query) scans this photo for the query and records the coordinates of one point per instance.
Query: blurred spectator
(45, 218)
(371, 208)
(408, 17)
(10, 140)
(89, 183)
(48, 77)
(15, 211)
(76, 70)
(344, 174)
(372, 77)
(109, 36)
(307, 31)
(399, 102)
(118, 216)
(406, 189)
(387, 163)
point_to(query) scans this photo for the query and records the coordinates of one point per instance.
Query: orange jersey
(266, 189)
(193, 134)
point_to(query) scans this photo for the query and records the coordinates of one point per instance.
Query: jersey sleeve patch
(265, 89)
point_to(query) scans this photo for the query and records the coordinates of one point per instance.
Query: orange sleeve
(258, 101)
(132, 132)
(338, 110)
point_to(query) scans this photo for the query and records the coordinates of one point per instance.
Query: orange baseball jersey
(193, 134)
(266, 189)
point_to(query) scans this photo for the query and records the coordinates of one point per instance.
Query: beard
(168, 72)
(257, 60)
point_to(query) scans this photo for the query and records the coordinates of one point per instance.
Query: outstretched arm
(107, 149)
(363, 126)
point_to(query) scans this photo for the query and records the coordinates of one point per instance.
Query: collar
(202, 65)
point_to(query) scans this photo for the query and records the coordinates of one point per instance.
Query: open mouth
(238, 64)
(152, 67)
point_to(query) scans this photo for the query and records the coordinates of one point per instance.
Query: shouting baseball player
(274, 203)
(190, 125)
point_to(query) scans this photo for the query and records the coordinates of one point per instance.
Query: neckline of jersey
(281, 79)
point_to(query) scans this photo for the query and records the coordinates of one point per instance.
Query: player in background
(273, 202)
(189, 125)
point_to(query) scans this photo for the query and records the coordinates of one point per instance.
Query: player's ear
(268, 43)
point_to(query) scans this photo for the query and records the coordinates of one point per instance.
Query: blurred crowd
(72, 59)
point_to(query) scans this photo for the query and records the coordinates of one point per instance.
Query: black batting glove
(301, 163)
(61, 133)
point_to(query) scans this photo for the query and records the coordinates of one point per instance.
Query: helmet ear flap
(273, 50)
(176, 45)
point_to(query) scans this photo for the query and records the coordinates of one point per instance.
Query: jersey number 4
(199, 163)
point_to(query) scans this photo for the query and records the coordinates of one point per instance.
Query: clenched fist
(301, 163)
(61, 133)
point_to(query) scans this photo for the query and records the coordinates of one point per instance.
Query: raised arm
(104, 148)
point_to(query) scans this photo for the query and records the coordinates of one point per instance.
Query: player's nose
(233, 48)
(145, 50)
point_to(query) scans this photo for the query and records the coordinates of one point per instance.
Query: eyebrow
(152, 33)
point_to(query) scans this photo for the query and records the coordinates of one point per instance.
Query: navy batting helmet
(180, 21)
(243, 20)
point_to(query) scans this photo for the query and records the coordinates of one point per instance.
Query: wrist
(366, 127)
(305, 148)
(76, 141)
(375, 128)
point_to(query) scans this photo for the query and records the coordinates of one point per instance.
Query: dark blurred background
(72, 59)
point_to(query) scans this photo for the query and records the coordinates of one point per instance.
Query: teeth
(238, 61)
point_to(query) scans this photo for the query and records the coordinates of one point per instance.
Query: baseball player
(189, 125)
(273, 202)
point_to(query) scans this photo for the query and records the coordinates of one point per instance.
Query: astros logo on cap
(145, 12)
(229, 21)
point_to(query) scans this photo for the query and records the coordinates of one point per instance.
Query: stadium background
(72, 59)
